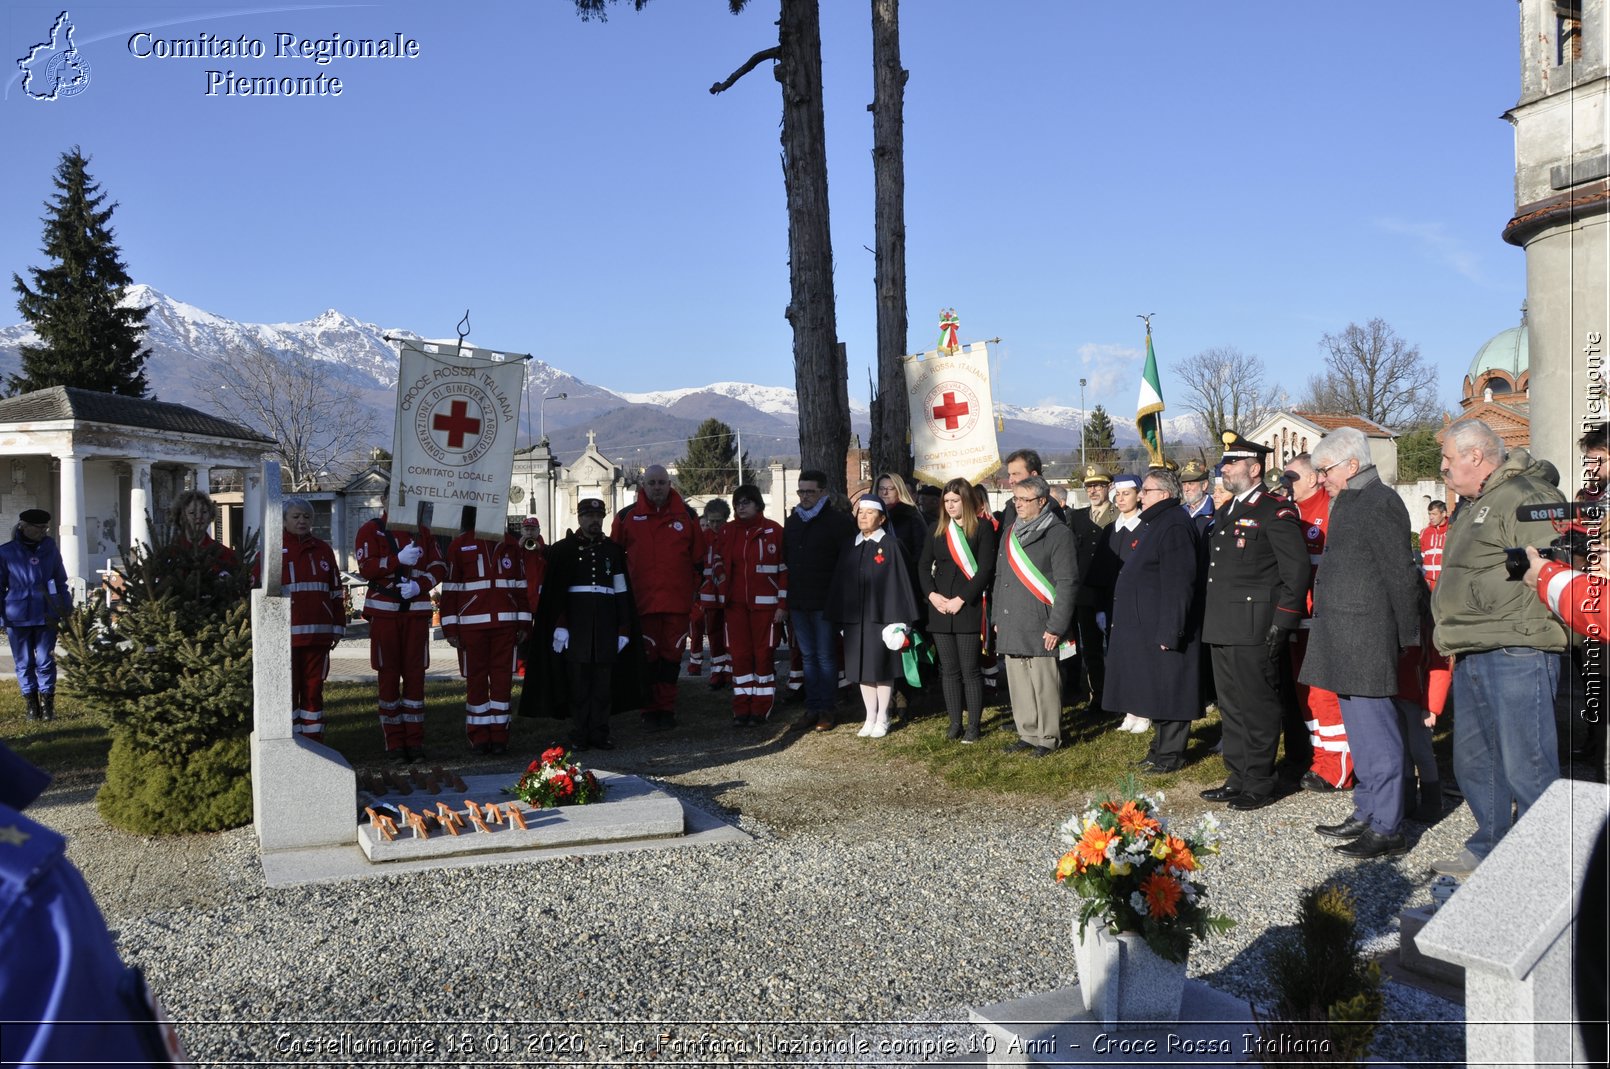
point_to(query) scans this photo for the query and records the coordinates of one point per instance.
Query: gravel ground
(872, 908)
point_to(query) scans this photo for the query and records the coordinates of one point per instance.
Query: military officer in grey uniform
(1257, 589)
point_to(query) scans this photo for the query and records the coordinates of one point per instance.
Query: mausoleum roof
(1508, 351)
(92, 406)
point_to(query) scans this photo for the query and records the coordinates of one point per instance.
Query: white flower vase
(1124, 982)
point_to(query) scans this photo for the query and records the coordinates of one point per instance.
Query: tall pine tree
(711, 463)
(1100, 446)
(86, 339)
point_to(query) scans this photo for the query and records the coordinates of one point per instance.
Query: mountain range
(632, 428)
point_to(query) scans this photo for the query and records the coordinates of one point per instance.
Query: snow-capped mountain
(187, 343)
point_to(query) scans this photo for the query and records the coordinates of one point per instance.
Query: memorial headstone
(1511, 927)
(304, 794)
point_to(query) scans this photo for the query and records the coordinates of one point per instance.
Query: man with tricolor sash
(1035, 583)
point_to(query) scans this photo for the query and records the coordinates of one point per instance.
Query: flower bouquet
(1135, 875)
(554, 780)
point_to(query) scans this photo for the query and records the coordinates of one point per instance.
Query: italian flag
(1026, 572)
(1149, 409)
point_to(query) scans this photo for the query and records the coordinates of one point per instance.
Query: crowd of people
(1297, 602)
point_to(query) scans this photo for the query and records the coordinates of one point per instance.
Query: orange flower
(1133, 820)
(1092, 845)
(1069, 865)
(1180, 858)
(1162, 895)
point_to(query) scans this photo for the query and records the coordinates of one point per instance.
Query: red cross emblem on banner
(457, 423)
(951, 411)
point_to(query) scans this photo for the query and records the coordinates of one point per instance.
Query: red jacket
(1578, 598)
(1314, 512)
(310, 578)
(751, 569)
(485, 586)
(535, 562)
(377, 562)
(1432, 541)
(662, 553)
(712, 567)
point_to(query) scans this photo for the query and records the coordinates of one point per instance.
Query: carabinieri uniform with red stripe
(309, 577)
(486, 614)
(399, 627)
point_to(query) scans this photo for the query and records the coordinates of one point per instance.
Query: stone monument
(304, 794)
(1511, 927)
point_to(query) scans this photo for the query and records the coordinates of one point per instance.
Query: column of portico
(139, 532)
(70, 524)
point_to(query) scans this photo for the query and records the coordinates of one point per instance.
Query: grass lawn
(1094, 758)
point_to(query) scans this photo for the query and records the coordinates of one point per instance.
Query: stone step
(632, 809)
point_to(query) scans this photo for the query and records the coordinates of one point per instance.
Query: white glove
(410, 554)
(561, 639)
(408, 590)
(620, 643)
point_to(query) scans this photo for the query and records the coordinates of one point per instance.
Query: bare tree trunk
(890, 448)
(824, 402)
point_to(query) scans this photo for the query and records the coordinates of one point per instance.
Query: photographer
(1571, 582)
(1504, 641)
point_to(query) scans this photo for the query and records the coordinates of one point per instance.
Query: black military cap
(591, 504)
(37, 517)
(1239, 448)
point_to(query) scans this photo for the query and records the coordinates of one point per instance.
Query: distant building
(107, 466)
(1498, 386)
(1293, 432)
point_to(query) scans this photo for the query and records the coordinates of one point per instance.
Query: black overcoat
(871, 590)
(594, 621)
(1156, 603)
(939, 574)
(1368, 593)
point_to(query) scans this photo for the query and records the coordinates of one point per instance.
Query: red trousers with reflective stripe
(711, 621)
(399, 652)
(486, 661)
(753, 642)
(1333, 758)
(664, 635)
(309, 667)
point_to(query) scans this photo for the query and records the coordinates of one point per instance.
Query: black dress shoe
(1372, 844)
(1151, 764)
(1249, 802)
(1225, 793)
(604, 745)
(1019, 746)
(1351, 828)
(1312, 781)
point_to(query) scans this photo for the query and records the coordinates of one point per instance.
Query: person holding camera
(1504, 641)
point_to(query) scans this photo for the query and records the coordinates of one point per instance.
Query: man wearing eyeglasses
(1257, 588)
(1035, 582)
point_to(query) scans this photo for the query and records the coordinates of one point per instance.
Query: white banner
(952, 415)
(458, 412)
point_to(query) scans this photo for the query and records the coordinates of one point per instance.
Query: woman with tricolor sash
(957, 565)
(1036, 578)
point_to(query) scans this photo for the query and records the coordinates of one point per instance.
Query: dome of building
(1502, 364)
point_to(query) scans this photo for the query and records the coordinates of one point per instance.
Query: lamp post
(1082, 467)
(542, 413)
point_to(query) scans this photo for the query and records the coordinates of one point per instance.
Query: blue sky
(1254, 175)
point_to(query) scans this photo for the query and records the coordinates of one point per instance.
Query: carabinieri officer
(1257, 589)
